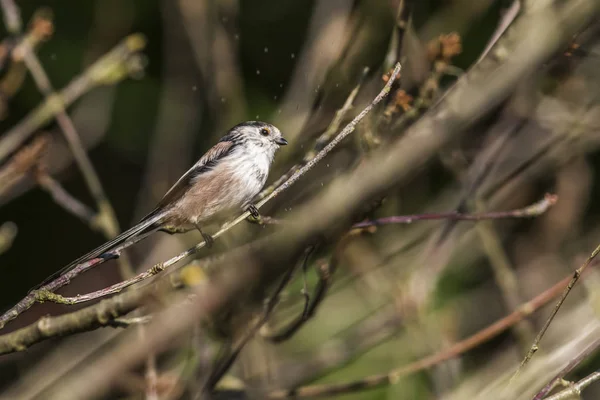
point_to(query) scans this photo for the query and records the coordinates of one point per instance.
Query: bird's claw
(208, 239)
(253, 211)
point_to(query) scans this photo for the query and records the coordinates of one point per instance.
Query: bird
(225, 179)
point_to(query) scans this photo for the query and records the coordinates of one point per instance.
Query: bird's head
(259, 134)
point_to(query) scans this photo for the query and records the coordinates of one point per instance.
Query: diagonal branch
(536, 342)
(573, 391)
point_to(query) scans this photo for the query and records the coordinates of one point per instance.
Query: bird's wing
(205, 164)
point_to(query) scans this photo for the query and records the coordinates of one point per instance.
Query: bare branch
(535, 346)
(568, 368)
(531, 211)
(105, 313)
(574, 389)
(321, 140)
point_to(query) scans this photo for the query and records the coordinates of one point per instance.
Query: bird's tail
(147, 225)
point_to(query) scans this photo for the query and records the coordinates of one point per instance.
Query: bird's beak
(281, 141)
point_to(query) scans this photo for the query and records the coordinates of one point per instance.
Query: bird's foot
(254, 216)
(208, 239)
(253, 211)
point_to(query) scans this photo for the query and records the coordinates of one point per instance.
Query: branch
(106, 219)
(533, 210)
(535, 346)
(321, 140)
(105, 313)
(403, 15)
(574, 390)
(568, 368)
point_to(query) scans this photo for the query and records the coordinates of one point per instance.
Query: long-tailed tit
(227, 177)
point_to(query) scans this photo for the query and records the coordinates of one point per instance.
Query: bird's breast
(232, 184)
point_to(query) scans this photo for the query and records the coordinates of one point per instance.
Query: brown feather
(216, 152)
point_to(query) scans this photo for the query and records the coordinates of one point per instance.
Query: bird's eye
(265, 132)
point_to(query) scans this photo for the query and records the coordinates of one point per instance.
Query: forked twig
(568, 368)
(573, 391)
(325, 272)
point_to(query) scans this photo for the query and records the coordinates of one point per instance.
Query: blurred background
(188, 70)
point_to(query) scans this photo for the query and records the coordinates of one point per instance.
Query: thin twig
(568, 368)
(449, 353)
(321, 140)
(403, 14)
(325, 272)
(533, 210)
(574, 390)
(112, 289)
(535, 346)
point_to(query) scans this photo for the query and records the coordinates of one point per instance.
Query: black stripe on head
(254, 124)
